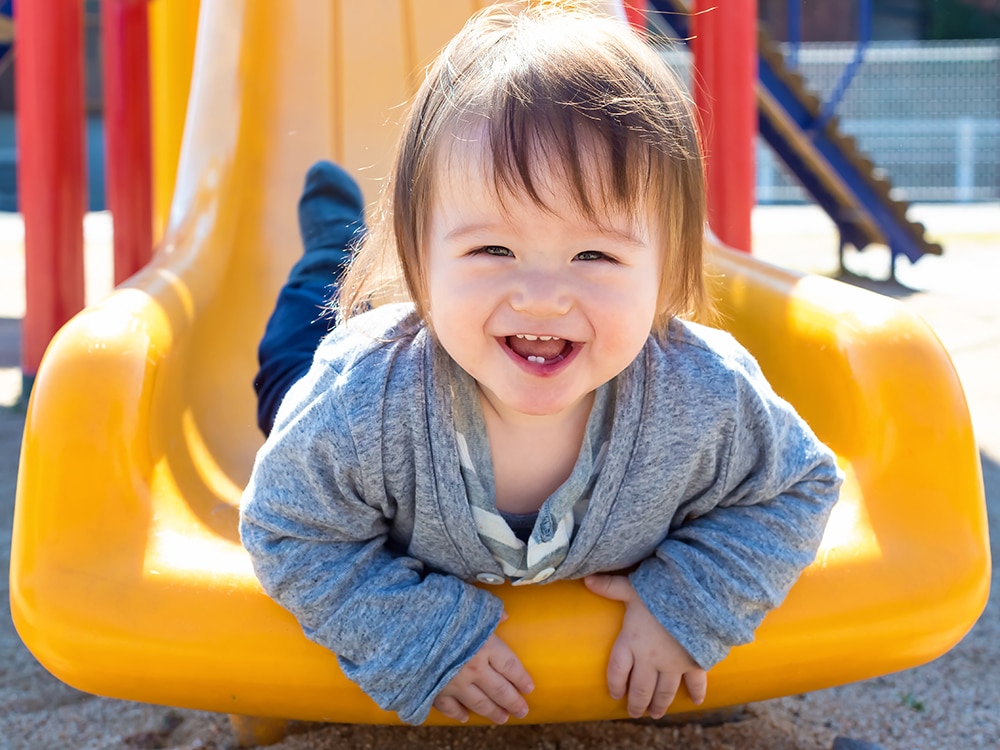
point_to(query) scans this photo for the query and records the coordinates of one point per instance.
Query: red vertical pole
(128, 140)
(635, 13)
(725, 63)
(51, 167)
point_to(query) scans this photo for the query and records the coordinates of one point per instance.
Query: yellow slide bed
(127, 576)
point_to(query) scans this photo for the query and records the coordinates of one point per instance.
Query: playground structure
(127, 578)
(803, 131)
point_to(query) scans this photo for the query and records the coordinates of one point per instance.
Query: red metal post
(725, 64)
(635, 13)
(52, 182)
(128, 139)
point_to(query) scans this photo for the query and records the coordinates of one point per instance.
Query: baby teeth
(529, 337)
(537, 360)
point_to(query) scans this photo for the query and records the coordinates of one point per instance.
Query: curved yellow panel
(173, 25)
(127, 578)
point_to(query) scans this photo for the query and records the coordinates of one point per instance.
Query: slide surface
(127, 577)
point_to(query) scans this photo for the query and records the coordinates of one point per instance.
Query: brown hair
(542, 83)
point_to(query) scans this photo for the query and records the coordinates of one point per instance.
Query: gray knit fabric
(358, 520)
(558, 517)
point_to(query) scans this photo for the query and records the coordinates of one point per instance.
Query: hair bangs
(558, 106)
(564, 161)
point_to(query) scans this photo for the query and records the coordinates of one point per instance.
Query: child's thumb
(610, 587)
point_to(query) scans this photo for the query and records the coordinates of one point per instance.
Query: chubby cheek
(456, 316)
(436, 298)
(455, 305)
(631, 310)
(626, 342)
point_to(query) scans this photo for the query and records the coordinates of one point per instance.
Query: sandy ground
(952, 703)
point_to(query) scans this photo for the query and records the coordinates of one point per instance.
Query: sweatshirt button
(541, 575)
(491, 578)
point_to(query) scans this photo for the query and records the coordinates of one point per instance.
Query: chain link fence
(926, 113)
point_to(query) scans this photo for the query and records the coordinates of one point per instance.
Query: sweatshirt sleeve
(716, 575)
(320, 549)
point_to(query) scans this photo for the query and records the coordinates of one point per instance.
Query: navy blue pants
(330, 221)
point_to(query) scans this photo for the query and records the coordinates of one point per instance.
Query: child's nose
(542, 294)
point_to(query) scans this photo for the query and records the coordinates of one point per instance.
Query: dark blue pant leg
(330, 221)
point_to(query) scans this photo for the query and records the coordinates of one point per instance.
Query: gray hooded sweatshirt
(712, 492)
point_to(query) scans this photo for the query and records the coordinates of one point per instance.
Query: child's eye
(497, 250)
(594, 255)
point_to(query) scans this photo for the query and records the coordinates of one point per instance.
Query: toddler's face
(539, 307)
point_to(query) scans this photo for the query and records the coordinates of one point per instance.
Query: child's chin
(543, 407)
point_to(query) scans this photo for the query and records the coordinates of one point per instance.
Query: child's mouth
(539, 350)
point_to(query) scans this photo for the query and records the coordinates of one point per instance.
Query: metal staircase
(827, 163)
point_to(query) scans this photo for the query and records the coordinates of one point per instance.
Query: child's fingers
(506, 663)
(667, 685)
(482, 687)
(502, 693)
(451, 708)
(696, 682)
(620, 666)
(482, 701)
(506, 679)
(612, 587)
(641, 688)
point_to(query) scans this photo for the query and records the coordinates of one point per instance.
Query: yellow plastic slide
(127, 576)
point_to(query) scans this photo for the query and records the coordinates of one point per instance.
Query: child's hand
(646, 658)
(490, 684)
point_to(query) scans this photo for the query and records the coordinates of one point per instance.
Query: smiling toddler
(516, 393)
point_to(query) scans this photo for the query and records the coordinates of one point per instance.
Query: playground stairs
(854, 192)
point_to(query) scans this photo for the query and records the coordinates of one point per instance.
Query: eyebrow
(465, 230)
(471, 229)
